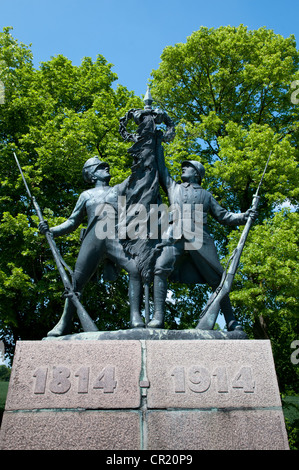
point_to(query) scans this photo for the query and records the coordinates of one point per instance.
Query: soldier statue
(95, 249)
(202, 265)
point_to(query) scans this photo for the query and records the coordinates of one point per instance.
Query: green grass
(3, 393)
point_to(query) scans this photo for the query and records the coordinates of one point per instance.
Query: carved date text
(59, 380)
(198, 379)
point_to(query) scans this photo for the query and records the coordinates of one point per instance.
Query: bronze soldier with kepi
(94, 250)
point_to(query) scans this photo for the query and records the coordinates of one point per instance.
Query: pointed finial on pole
(148, 99)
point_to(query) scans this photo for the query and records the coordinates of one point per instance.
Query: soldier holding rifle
(95, 250)
(202, 265)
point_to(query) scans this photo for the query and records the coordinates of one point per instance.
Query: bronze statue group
(147, 259)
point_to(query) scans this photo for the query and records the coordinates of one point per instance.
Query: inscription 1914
(198, 379)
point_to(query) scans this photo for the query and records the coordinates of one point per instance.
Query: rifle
(210, 312)
(86, 322)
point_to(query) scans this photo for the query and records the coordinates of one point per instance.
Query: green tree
(54, 117)
(4, 373)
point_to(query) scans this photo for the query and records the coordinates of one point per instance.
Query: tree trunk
(260, 328)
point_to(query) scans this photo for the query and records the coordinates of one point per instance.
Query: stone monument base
(139, 394)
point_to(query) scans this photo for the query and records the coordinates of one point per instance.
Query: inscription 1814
(60, 380)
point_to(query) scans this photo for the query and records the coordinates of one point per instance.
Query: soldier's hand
(43, 227)
(251, 213)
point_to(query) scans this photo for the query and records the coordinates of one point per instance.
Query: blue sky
(131, 34)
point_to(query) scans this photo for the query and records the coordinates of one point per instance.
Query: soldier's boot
(136, 320)
(227, 310)
(160, 292)
(64, 326)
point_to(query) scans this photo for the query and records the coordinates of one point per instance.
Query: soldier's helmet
(90, 165)
(197, 165)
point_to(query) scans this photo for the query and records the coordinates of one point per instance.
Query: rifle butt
(85, 320)
(87, 323)
(207, 322)
(211, 312)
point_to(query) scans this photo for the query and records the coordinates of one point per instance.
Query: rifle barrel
(258, 189)
(23, 177)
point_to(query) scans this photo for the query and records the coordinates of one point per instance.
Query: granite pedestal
(77, 393)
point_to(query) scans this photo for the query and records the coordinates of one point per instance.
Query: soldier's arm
(73, 222)
(226, 217)
(166, 181)
(123, 186)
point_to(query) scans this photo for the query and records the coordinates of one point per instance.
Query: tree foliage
(4, 373)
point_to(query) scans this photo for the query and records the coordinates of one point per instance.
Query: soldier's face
(189, 174)
(101, 173)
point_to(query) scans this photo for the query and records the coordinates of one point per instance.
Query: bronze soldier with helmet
(202, 264)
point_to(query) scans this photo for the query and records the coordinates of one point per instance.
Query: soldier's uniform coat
(200, 265)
